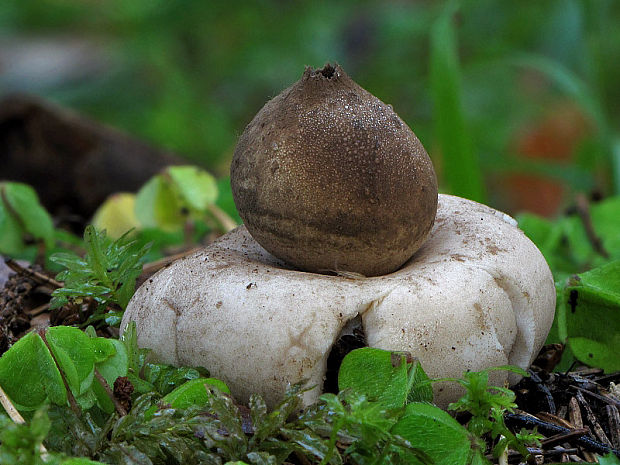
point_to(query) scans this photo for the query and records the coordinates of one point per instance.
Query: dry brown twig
(37, 276)
(14, 415)
(583, 210)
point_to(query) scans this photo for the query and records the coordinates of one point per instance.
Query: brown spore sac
(328, 178)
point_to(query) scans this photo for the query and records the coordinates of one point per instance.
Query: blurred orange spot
(554, 138)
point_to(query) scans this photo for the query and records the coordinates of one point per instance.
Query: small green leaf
(70, 261)
(461, 164)
(590, 316)
(103, 348)
(116, 365)
(95, 256)
(157, 206)
(379, 374)
(21, 213)
(11, 240)
(606, 224)
(420, 387)
(74, 353)
(28, 374)
(609, 459)
(168, 200)
(117, 215)
(130, 340)
(191, 393)
(196, 187)
(140, 386)
(166, 378)
(436, 433)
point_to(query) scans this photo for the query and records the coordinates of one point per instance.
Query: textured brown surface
(329, 178)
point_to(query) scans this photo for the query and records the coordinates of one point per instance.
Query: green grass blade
(461, 166)
(95, 257)
(615, 163)
(568, 82)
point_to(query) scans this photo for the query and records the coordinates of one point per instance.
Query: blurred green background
(516, 102)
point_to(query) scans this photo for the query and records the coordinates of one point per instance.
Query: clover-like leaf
(196, 187)
(157, 206)
(21, 213)
(74, 354)
(590, 316)
(381, 375)
(435, 432)
(117, 215)
(28, 374)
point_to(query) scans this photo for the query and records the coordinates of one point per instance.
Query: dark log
(73, 162)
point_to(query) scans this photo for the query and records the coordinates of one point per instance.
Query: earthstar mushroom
(467, 292)
(328, 178)
(477, 294)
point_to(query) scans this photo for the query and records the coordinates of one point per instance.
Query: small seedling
(106, 274)
(487, 405)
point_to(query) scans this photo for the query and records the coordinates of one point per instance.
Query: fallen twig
(542, 387)
(583, 210)
(614, 424)
(605, 399)
(564, 437)
(520, 420)
(14, 415)
(39, 277)
(598, 430)
(117, 405)
(10, 408)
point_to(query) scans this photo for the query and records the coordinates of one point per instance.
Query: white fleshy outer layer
(477, 294)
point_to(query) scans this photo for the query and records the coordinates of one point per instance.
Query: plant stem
(16, 417)
(10, 408)
(40, 277)
(332, 441)
(119, 408)
(225, 222)
(583, 210)
(72, 402)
